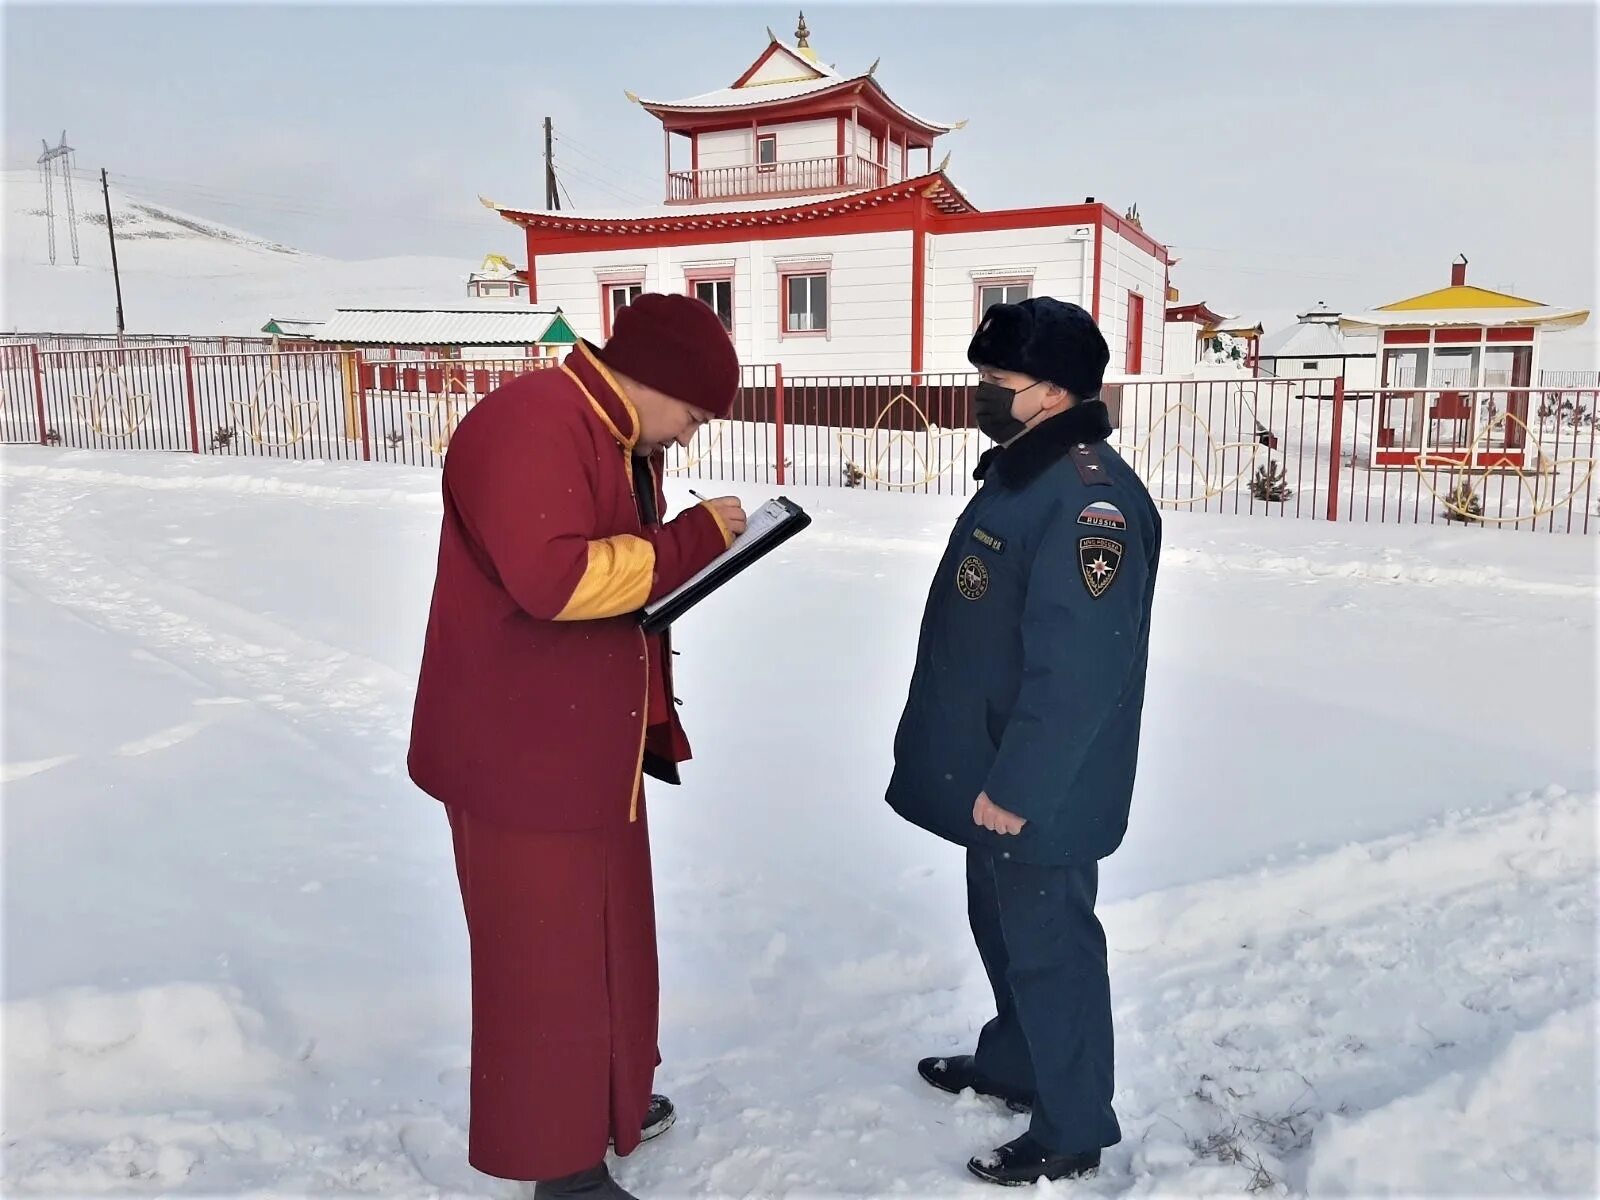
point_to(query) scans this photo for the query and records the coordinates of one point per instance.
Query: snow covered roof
(1320, 313)
(291, 327)
(762, 95)
(483, 325)
(1239, 326)
(1465, 304)
(766, 211)
(496, 266)
(1545, 315)
(1309, 339)
(743, 97)
(644, 212)
(1198, 313)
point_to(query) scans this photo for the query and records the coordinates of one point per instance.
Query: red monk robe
(540, 705)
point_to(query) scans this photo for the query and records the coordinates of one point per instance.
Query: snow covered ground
(1352, 929)
(183, 274)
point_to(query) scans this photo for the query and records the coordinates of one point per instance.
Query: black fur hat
(1043, 338)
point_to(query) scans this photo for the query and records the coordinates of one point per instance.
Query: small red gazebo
(1456, 365)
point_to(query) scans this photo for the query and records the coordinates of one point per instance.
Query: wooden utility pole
(111, 229)
(551, 199)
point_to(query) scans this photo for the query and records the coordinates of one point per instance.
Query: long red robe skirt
(565, 994)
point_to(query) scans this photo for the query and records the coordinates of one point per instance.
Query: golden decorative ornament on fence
(921, 451)
(445, 412)
(1469, 481)
(280, 421)
(111, 410)
(1210, 467)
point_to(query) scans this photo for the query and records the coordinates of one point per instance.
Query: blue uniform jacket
(1030, 672)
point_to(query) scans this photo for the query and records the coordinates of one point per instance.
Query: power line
(623, 198)
(619, 176)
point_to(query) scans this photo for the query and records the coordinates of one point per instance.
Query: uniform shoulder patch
(972, 578)
(1102, 514)
(1100, 558)
(1090, 469)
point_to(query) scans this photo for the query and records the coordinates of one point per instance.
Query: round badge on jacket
(972, 578)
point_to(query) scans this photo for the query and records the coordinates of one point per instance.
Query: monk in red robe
(541, 706)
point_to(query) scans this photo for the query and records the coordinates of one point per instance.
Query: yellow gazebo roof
(1460, 296)
(1463, 304)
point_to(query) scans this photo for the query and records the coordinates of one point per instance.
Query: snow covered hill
(1352, 931)
(181, 273)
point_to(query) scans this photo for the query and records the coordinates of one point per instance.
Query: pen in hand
(730, 511)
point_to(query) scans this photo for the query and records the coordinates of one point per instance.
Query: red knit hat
(677, 345)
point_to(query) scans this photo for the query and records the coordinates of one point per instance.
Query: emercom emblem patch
(1100, 558)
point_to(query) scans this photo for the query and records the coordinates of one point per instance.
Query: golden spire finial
(802, 35)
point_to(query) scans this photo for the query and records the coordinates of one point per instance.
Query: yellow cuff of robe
(727, 534)
(617, 579)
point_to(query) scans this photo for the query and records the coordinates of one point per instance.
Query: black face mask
(991, 404)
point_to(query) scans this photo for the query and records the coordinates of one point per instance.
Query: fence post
(194, 416)
(38, 398)
(777, 417)
(361, 401)
(1335, 457)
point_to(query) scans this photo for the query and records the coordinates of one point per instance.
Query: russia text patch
(1103, 516)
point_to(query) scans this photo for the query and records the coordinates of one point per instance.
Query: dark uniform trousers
(1045, 954)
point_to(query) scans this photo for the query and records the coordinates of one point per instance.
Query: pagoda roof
(1548, 316)
(1463, 304)
(782, 74)
(743, 99)
(1198, 313)
(947, 197)
(1460, 295)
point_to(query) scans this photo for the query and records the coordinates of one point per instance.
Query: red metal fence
(1512, 458)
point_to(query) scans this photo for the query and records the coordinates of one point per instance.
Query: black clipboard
(790, 519)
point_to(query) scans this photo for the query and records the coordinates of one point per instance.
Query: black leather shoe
(956, 1074)
(1025, 1161)
(594, 1184)
(658, 1118)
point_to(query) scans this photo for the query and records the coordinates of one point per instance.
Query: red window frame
(607, 286)
(766, 137)
(785, 274)
(693, 279)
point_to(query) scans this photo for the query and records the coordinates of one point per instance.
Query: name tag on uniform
(998, 545)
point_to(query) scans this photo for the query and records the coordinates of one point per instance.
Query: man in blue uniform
(1020, 735)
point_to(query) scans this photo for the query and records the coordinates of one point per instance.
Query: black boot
(955, 1075)
(594, 1184)
(659, 1117)
(1025, 1161)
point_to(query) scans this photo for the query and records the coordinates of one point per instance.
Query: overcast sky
(1287, 154)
